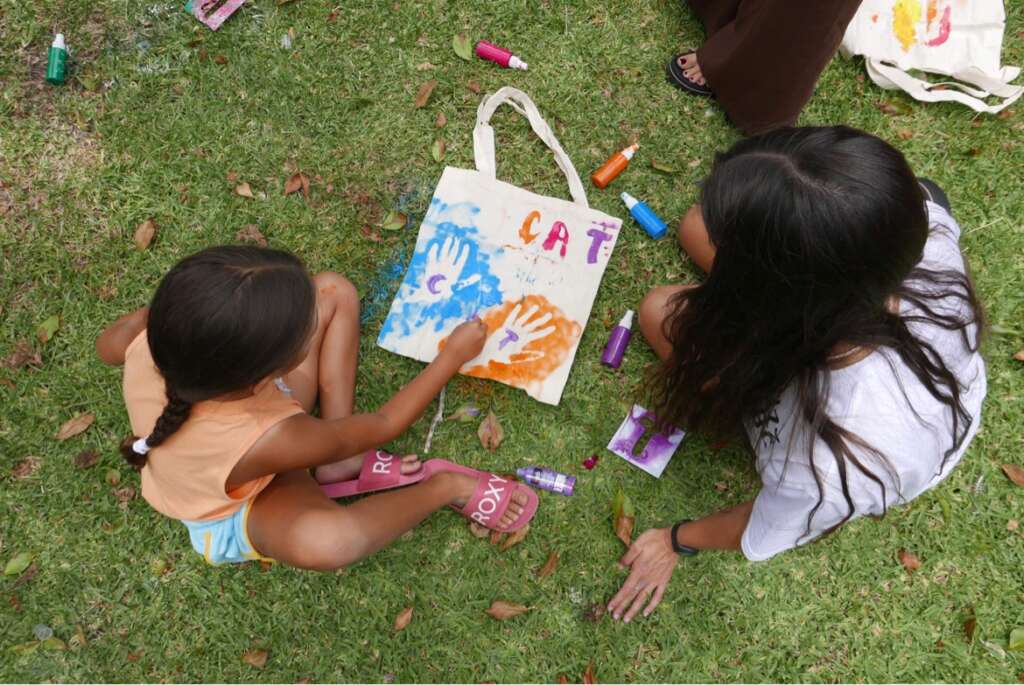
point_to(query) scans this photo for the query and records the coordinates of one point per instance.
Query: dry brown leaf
(1014, 473)
(73, 427)
(909, 560)
(231, 176)
(501, 610)
(425, 66)
(490, 432)
(515, 538)
(144, 233)
(563, 679)
(22, 356)
(220, 59)
(424, 93)
(624, 529)
(403, 618)
(297, 182)
(442, 120)
(86, 458)
(588, 675)
(475, 87)
(256, 657)
(478, 531)
(1019, 355)
(250, 233)
(124, 496)
(549, 566)
(27, 575)
(1012, 525)
(332, 16)
(595, 612)
(905, 134)
(371, 234)
(1005, 114)
(25, 468)
(244, 190)
(969, 626)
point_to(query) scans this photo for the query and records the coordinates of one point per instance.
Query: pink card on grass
(213, 13)
(660, 447)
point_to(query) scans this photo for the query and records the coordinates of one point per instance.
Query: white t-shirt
(869, 400)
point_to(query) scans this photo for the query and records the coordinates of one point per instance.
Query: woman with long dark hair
(837, 328)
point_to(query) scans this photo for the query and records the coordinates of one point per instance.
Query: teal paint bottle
(56, 61)
(645, 216)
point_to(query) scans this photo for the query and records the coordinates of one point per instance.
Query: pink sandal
(493, 494)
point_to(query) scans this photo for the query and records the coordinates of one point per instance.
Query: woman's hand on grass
(652, 562)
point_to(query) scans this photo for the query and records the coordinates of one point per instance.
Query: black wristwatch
(684, 550)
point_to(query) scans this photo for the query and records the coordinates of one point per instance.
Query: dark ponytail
(174, 415)
(222, 320)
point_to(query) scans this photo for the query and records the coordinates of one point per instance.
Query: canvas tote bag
(528, 265)
(961, 39)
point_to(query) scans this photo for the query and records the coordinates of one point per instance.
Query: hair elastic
(141, 447)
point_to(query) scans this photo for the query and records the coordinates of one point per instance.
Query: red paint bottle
(499, 55)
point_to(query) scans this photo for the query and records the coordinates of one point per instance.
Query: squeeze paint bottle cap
(645, 216)
(617, 341)
(499, 55)
(549, 480)
(56, 61)
(615, 165)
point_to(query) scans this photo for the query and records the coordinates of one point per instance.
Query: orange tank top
(185, 477)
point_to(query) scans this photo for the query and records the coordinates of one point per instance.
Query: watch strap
(683, 550)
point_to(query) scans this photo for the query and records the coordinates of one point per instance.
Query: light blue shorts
(226, 540)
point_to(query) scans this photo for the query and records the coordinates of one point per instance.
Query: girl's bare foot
(347, 469)
(691, 70)
(465, 486)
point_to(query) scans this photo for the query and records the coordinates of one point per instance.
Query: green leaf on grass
(18, 563)
(437, 150)
(663, 168)
(394, 221)
(621, 506)
(48, 328)
(465, 413)
(1016, 640)
(463, 48)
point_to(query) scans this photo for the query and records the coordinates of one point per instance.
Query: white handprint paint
(442, 271)
(507, 343)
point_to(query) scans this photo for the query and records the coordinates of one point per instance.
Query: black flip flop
(676, 77)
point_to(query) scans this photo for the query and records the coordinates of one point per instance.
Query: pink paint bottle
(501, 56)
(617, 341)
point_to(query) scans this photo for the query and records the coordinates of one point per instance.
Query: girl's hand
(653, 561)
(514, 334)
(466, 340)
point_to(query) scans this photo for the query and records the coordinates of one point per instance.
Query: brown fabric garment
(763, 57)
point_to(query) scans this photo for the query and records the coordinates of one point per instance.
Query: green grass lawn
(148, 128)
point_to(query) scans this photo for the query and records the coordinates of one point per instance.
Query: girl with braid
(221, 375)
(837, 331)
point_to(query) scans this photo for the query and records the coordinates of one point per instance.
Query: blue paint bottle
(645, 216)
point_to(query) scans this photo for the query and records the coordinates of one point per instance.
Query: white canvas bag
(961, 39)
(528, 265)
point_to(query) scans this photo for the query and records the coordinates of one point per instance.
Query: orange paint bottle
(614, 166)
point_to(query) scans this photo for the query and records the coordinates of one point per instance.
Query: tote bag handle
(483, 138)
(892, 78)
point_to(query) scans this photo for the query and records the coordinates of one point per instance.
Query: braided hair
(222, 320)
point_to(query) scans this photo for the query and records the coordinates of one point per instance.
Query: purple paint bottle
(549, 480)
(617, 341)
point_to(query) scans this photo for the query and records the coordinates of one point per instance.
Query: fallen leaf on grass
(1014, 473)
(18, 563)
(298, 181)
(501, 610)
(255, 657)
(549, 566)
(588, 674)
(909, 560)
(515, 538)
(478, 531)
(465, 413)
(22, 356)
(663, 168)
(394, 221)
(1005, 114)
(693, 163)
(112, 476)
(425, 66)
(474, 86)
(623, 518)
(905, 134)
(496, 536)
(48, 329)
(124, 496)
(893, 108)
(424, 93)
(563, 679)
(595, 612)
(25, 468)
(250, 233)
(1019, 355)
(73, 427)
(403, 618)
(244, 190)
(78, 638)
(370, 234)
(969, 627)
(86, 458)
(490, 432)
(437, 150)
(220, 59)
(231, 176)
(462, 47)
(144, 233)
(1016, 643)
(442, 120)
(332, 17)
(27, 575)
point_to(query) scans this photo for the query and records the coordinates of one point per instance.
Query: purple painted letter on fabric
(660, 447)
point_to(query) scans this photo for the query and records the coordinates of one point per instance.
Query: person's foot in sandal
(469, 488)
(348, 469)
(684, 72)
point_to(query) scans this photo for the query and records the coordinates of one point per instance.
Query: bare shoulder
(115, 338)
